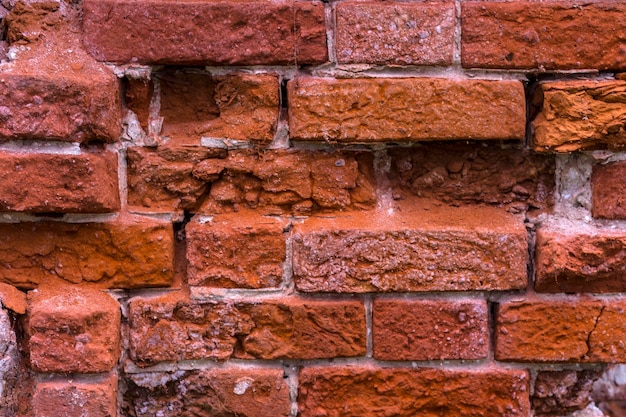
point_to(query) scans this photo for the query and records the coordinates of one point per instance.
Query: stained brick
(430, 329)
(545, 36)
(580, 261)
(73, 330)
(94, 396)
(48, 183)
(202, 33)
(557, 392)
(395, 33)
(609, 193)
(405, 109)
(579, 115)
(566, 330)
(415, 247)
(242, 250)
(360, 391)
(253, 392)
(173, 329)
(123, 254)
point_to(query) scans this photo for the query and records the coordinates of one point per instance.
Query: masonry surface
(303, 208)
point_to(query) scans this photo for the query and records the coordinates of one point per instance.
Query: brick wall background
(297, 208)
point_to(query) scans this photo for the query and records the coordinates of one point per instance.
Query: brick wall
(297, 208)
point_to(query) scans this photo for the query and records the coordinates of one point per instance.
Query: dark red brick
(608, 191)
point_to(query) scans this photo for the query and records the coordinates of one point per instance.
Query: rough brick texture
(12, 299)
(236, 251)
(561, 331)
(579, 115)
(359, 391)
(170, 329)
(609, 193)
(571, 261)
(419, 247)
(193, 32)
(557, 392)
(405, 109)
(84, 183)
(86, 397)
(73, 330)
(545, 36)
(395, 33)
(123, 254)
(245, 392)
(430, 329)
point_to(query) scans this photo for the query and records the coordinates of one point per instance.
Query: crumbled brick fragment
(559, 392)
(12, 299)
(353, 391)
(123, 254)
(608, 191)
(242, 250)
(579, 115)
(405, 109)
(395, 33)
(249, 392)
(73, 329)
(172, 329)
(430, 329)
(49, 183)
(413, 247)
(555, 35)
(193, 32)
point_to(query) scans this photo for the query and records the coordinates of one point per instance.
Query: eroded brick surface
(193, 32)
(558, 392)
(123, 254)
(405, 109)
(246, 392)
(546, 36)
(73, 330)
(415, 247)
(12, 299)
(609, 193)
(360, 391)
(48, 183)
(171, 329)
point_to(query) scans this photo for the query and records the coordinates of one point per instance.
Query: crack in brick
(595, 325)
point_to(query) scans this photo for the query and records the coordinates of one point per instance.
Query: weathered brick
(416, 247)
(411, 109)
(580, 261)
(173, 329)
(94, 396)
(73, 329)
(364, 391)
(558, 392)
(49, 183)
(430, 329)
(123, 254)
(458, 173)
(395, 33)
(565, 330)
(196, 32)
(608, 191)
(579, 115)
(234, 106)
(250, 392)
(242, 250)
(9, 366)
(545, 36)
(12, 299)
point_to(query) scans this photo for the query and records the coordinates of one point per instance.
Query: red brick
(608, 191)
(579, 115)
(416, 247)
(174, 329)
(395, 33)
(430, 329)
(48, 183)
(253, 392)
(367, 391)
(206, 33)
(12, 298)
(565, 330)
(580, 261)
(242, 250)
(411, 109)
(73, 329)
(547, 35)
(94, 396)
(124, 254)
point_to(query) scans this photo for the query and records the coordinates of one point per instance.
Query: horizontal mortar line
(72, 218)
(42, 147)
